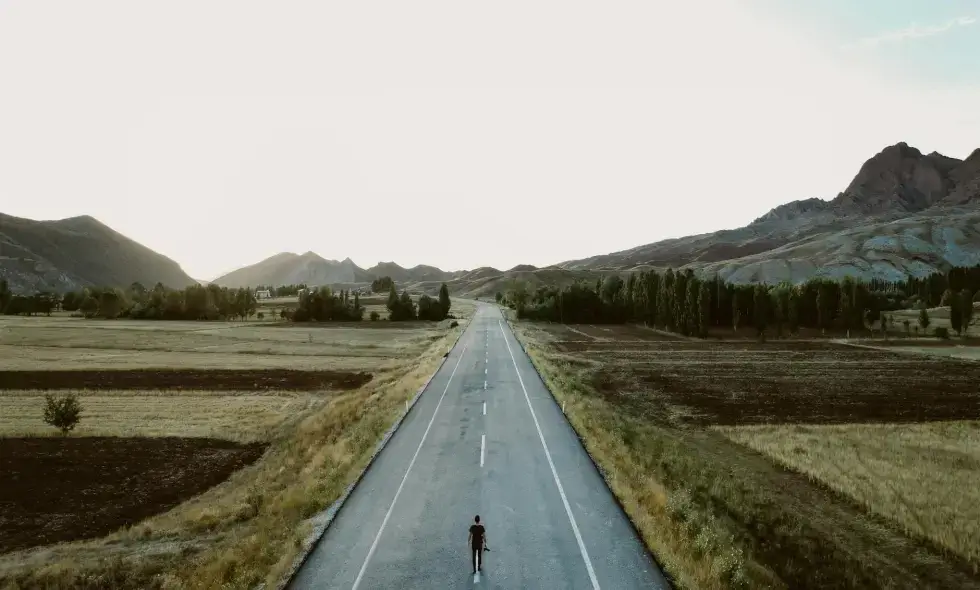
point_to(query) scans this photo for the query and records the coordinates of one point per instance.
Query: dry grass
(924, 476)
(249, 529)
(66, 343)
(717, 514)
(245, 417)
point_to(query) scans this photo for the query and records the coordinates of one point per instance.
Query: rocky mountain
(904, 213)
(78, 252)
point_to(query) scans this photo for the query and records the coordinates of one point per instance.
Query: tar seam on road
(398, 492)
(483, 446)
(554, 472)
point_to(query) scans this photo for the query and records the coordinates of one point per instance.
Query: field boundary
(595, 464)
(322, 521)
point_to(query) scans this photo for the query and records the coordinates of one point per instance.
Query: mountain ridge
(76, 252)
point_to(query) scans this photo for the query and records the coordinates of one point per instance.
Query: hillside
(287, 268)
(904, 213)
(77, 252)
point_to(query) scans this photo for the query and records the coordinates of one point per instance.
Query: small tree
(966, 309)
(63, 413)
(908, 331)
(375, 316)
(955, 314)
(924, 318)
(444, 303)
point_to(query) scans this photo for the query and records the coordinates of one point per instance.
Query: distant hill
(904, 213)
(287, 268)
(78, 252)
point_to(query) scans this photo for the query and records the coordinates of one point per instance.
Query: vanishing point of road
(486, 438)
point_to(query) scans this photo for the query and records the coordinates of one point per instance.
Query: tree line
(681, 302)
(212, 302)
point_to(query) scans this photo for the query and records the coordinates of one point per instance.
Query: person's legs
(474, 551)
(479, 558)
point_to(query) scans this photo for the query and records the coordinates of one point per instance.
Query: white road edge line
(483, 447)
(374, 545)
(554, 472)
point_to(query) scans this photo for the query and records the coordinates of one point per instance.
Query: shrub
(375, 316)
(260, 315)
(454, 324)
(941, 333)
(63, 413)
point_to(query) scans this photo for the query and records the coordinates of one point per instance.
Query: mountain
(78, 252)
(417, 273)
(903, 213)
(288, 268)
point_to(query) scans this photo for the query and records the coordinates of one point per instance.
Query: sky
(462, 134)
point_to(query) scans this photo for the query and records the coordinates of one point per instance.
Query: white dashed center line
(483, 446)
(484, 408)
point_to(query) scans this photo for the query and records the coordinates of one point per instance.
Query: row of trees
(382, 284)
(212, 302)
(402, 308)
(683, 303)
(325, 305)
(196, 302)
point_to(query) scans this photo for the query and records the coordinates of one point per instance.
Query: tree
(71, 300)
(923, 317)
(955, 313)
(63, 413)
(793, 311)
(110, 304)
(499, 297)
(382, 284)
(760, 315)
(704, 309)
(5, 295)
(444, 301)
(375, 316)
(966, 308)
(89, 306)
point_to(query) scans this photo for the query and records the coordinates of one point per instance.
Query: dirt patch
(200, 379)
(65, 489)
(777, 381)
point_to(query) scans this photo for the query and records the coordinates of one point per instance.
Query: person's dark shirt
(477, 531)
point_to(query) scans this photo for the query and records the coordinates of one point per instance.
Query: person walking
(478, 540)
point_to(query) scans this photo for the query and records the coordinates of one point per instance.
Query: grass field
(656, 412)
(205, 477)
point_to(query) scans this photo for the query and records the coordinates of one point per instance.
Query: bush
(941, 333)
(454, 324)
(375, 316)
(260, 315)
(63, 413)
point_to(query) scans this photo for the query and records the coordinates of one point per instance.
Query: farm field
(203, 449)
(728, 455)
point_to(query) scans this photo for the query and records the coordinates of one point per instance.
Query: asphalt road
(485, 438)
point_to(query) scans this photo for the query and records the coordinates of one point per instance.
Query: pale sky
(462, 134)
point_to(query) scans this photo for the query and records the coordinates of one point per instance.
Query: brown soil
(797, 381)
(64, 489)
(206, 379)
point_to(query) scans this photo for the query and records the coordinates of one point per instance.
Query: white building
(263, 294)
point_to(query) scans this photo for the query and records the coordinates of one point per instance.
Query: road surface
(485, 438)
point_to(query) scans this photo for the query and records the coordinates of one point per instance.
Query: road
(486, 438)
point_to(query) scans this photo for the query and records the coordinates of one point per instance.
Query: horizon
(568, 133)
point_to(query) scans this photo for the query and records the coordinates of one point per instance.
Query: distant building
(263, 294)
